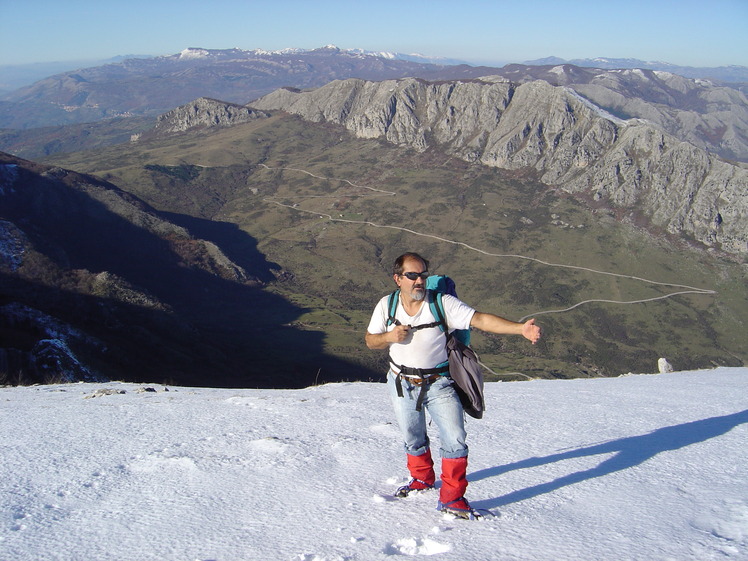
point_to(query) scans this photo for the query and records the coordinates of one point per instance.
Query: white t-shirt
(423, 348)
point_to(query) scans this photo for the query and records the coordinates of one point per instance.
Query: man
(423, 351)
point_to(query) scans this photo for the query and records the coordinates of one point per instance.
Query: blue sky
(684, 32)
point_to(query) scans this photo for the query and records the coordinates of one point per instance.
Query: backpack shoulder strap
(392, 308)
(437, 310)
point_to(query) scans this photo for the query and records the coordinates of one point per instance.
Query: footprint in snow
(416, 546)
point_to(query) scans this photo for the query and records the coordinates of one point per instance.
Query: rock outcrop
(572, 144)
(205, 112)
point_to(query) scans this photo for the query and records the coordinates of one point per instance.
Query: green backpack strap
(437, 310)
(392, 308)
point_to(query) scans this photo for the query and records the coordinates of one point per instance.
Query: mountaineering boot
(454, 484)
(462, 509)
(421, 470)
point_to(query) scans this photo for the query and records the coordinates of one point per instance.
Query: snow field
(648, 467)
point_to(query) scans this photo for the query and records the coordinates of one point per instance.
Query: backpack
(463, 365)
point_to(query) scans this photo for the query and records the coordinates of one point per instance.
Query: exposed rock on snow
(664, 366)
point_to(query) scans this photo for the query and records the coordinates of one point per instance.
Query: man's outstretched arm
(495, 324)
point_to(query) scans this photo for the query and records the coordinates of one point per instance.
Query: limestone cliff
(205, 112)
(572, 144)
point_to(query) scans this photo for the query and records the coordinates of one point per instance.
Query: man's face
(415, 288)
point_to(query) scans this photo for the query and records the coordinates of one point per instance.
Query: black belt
(421, 381)
(421, 377)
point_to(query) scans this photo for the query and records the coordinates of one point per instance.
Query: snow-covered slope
(647, 467)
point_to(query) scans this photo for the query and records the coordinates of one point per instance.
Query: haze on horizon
(685, 33)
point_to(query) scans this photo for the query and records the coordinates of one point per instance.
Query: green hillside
(333, 212)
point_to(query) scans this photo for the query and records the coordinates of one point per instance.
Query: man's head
(410, 272)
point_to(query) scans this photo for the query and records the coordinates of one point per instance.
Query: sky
(682, 32)
(637, 468)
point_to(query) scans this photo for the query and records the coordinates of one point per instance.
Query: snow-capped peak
(197, 53)
(192, 53)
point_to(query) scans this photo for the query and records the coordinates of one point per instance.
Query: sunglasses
(414, 276)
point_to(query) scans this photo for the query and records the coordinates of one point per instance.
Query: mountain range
(13, 77)
(733, 73)
(570, 143)
(705, 113)
(154, 85)
(248, 242)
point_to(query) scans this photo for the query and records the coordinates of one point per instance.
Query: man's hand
(399, 334)
(496, 324)
(531, 331)
(384, 340)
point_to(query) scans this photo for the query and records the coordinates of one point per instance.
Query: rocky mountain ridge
(205, 112)
(571, 143)
(236, 53)
(709, 114)
(731, 73)
(295, 193)
(155, 85)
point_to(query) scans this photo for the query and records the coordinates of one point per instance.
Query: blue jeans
(443, 406)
